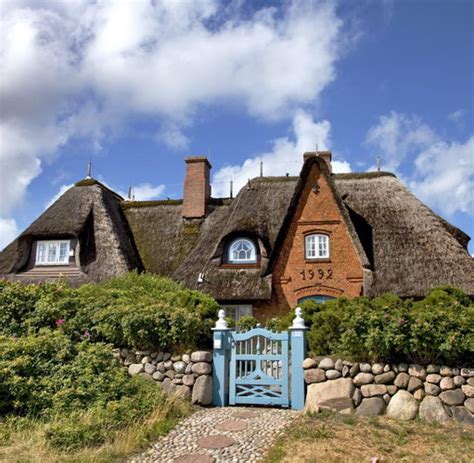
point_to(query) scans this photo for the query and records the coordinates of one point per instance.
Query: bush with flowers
(57, 370)
(141, 311)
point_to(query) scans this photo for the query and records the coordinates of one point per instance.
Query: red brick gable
(294, 277)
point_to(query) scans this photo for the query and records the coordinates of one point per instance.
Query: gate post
(220, 362)
(298, 354)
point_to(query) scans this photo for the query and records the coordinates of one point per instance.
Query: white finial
(298, 321)
(89, 170)
(221, 324)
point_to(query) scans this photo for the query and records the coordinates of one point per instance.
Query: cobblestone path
(234, 435)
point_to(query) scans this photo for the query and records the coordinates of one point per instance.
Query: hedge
(137, 311)
(436, 329)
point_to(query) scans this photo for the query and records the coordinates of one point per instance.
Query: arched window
(320, 298)
(242, 251)
(316, 246)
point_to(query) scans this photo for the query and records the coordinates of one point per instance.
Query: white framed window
(316, 246)
(242, 251)
(237, 311)
(52, 252)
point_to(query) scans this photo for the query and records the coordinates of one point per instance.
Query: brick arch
(318, 289)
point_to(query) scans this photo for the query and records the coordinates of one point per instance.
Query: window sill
(59, 264)
(323, 260)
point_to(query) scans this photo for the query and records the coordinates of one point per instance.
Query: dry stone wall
(187, 375)
(403, 391)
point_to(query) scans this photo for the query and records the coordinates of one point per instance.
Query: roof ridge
(362, 175)
(92, 182)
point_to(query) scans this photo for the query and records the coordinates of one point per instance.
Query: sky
(137, 86)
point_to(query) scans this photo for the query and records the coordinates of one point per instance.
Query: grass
(331, 437)
(23, 440)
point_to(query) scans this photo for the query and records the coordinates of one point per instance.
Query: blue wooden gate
(259, 368)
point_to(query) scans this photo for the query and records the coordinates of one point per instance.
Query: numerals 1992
(320, 274)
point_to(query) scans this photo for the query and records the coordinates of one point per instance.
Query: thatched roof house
(280, 240)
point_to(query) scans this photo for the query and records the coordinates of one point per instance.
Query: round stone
(326, 363)
(232, 425)
(194, 458)
(218, 441)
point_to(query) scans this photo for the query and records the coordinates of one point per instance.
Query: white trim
(319, 239)
(57, 243)
(253, 252)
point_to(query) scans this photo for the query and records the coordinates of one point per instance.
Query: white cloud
(444, 176)
(8, 231)
(439, 171)
(172, 136)
(80, 69)
(457, 116)
(146, 191)
(285, 157)
(398, 136)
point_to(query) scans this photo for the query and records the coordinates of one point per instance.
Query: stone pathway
(233, 434)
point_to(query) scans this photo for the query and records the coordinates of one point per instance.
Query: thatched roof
(414, 249)
(406, 247)
(257, 211)
(88, 209)
(162, 237)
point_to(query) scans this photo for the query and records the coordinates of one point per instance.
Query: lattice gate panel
(259, 368)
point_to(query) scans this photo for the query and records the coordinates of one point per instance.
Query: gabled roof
(301, 182)
(88, 203)
(258, 210)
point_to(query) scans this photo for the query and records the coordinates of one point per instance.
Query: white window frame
(237, 311)
(57, 244)
(253, 252)
(320, 252)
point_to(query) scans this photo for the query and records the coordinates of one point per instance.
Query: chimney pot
(197, 187)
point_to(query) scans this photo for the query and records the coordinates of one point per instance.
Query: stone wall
(188, 375)
(402, 391)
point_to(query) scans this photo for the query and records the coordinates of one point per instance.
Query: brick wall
(294, 277)
(197, 187)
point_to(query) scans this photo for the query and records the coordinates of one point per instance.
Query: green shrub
(48, 373)
(439, 328)
(96, 425)
(140, 311)
(246, 323)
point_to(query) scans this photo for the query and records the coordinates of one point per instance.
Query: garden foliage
(56, 360)
(138, 311)
(436, 329)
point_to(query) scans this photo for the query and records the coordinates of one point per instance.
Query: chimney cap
(191, 159)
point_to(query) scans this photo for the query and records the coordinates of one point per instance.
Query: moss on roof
(160, 202)
(92, 182)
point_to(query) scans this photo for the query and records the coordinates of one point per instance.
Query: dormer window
(52, 252)
(317, 246)
(242, 251)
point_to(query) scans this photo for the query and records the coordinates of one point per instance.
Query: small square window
(237, 311)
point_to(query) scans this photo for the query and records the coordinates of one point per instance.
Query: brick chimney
(197, 187)
(326, 155)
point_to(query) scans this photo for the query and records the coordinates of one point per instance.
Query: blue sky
(137, 86)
